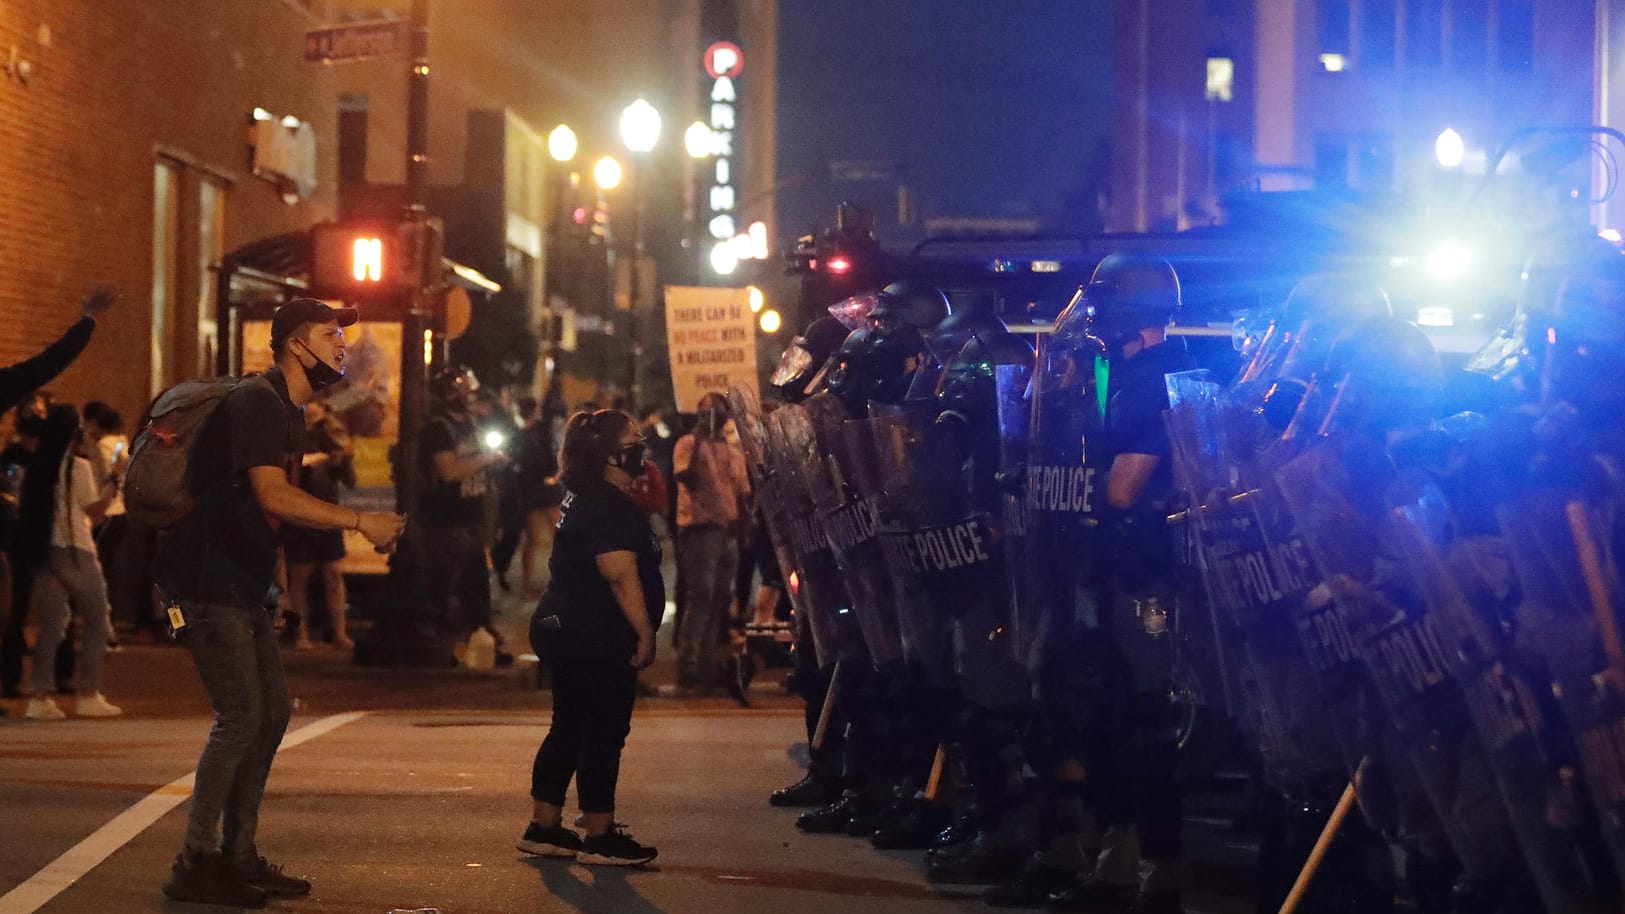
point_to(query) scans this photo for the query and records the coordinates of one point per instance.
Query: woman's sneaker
(94, 705)
(43, 708)
(615, 848)
(557, 841)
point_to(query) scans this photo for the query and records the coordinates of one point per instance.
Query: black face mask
(629, 458)
(320, 375)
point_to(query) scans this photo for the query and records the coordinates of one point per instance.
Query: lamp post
(561, 147)
(606, 176)
(640, 130)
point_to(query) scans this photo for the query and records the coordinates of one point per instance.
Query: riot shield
(1060, 585)
(1566, 638)
(944, 560)
(1383, 661)
(849, 515)
(1514, 729)
(1255, 574)
(798, 473)
(765, 482)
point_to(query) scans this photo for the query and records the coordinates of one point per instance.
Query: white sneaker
(43, 709)
(94, 705)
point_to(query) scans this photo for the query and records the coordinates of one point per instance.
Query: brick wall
(112, 87)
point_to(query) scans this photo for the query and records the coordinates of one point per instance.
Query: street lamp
(640, 130)
(697, 140)
(606, 173)
(561, 144)
(1448, 148)
(640, 126)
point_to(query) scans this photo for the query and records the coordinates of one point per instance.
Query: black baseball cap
(300, 311)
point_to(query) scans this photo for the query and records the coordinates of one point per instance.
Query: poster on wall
(711, 337)
(367, 401)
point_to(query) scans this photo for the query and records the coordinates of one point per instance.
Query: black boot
(985, 861)
(811, 790)
(916, 830)
(833, 819)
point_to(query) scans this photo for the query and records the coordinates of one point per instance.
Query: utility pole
(413, 371)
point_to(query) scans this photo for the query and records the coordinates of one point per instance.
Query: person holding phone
(594, 630)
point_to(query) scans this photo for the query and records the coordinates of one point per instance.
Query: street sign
(358, 41)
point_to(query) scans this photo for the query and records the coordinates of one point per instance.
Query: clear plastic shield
(766, 483)
(945, 561)
(1503, 701)
(1566, 637)
(789, 442)
(1400, 685)
(1063, 492)
(849, 514)
(1255, 574)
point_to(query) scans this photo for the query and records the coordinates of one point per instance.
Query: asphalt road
(407, 788)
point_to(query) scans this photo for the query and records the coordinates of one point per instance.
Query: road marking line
(38, 890)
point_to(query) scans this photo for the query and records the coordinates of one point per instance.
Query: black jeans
(594, 687)
(235, 650)
(458, 581)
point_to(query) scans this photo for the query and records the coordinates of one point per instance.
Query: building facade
(133, 157)
(1217, 96)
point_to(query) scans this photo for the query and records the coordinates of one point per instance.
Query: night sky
(985, 107)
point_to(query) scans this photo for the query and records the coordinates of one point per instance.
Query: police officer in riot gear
(804, 365)
(1130, 746)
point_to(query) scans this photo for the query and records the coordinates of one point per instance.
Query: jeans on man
(235, 650)
(707, 554)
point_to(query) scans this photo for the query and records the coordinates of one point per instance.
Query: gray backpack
(158, 490)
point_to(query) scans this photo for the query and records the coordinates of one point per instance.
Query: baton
(937, 764)
(1324, 842)
(1602, 597)
(829, 707)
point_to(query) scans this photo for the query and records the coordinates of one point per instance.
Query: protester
(16, 383)
(216, 566)
(594, 629)
(61, 499)
(328, 462)
(108, 448)
(712, 488)
(536, 473)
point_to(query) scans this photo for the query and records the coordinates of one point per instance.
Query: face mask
(320, 375)
(629, 458)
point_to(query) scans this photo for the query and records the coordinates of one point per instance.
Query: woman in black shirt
(594, 629)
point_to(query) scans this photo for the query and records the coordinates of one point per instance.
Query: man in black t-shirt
(457, 472)
(216, 567)
(1130, 732)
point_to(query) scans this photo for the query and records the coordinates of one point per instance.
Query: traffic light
(373, 261)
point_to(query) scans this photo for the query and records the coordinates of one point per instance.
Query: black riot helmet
(1129, 293)
(1319, 310)
(802, 366)
(874, 365)
(1389, 376)
(1585, 340)
(453, 388)
(969, 375)
(1515, 355)
(960, 327)
(908, 301)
